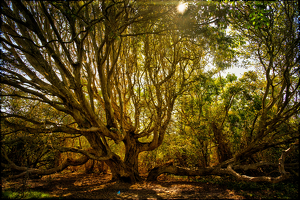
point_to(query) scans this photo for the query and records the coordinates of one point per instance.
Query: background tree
(268, 114)
(276, 48)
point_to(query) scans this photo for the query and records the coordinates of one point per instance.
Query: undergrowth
(287, 189)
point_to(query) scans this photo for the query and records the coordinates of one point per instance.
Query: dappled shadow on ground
(98, 186)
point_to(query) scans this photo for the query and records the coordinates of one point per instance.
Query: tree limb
(219, 170)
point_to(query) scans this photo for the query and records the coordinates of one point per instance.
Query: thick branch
(87, 154)
(256, 179)
(84, 152)
(171, 169)
(42, 129)
(68, 162)
(218, 170)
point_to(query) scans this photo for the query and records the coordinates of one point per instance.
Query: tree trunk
(131, 155)
(89, 166)
(223, 149)
(122, 171)
(127, 170)
(102, 167)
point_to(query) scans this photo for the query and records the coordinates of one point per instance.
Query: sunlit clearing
(182, 7)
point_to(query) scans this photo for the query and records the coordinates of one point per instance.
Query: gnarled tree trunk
(122, 171)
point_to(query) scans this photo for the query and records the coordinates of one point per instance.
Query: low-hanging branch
(229, 169)
(88, 152)
(87, 155)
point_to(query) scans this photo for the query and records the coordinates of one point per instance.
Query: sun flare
(182, 7)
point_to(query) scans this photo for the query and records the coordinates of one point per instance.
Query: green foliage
(24, 195)
(183, 150)
(259, 13)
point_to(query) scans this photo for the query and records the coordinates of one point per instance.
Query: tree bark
(171, 169)
(122, 171)
(127, 170)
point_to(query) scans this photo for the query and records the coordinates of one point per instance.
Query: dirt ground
(96, 186)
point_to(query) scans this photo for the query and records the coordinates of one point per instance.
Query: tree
(277, 51)
(113, 70)
(274, 119)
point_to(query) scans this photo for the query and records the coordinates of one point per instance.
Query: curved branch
(68, 162)
(253, 148)
(256, 179)
(171, 169)
(30, 98)
(87, 152)
(217, 170)
(144, 133)
(35, 93)
(56, 129)
(7, 115)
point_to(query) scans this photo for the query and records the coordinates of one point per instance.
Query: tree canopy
(132, 73)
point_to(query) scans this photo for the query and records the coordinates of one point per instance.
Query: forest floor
(99, 186)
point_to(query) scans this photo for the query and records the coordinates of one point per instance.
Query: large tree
(104, 70)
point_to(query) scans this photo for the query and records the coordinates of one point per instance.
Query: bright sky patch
(182, 7)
